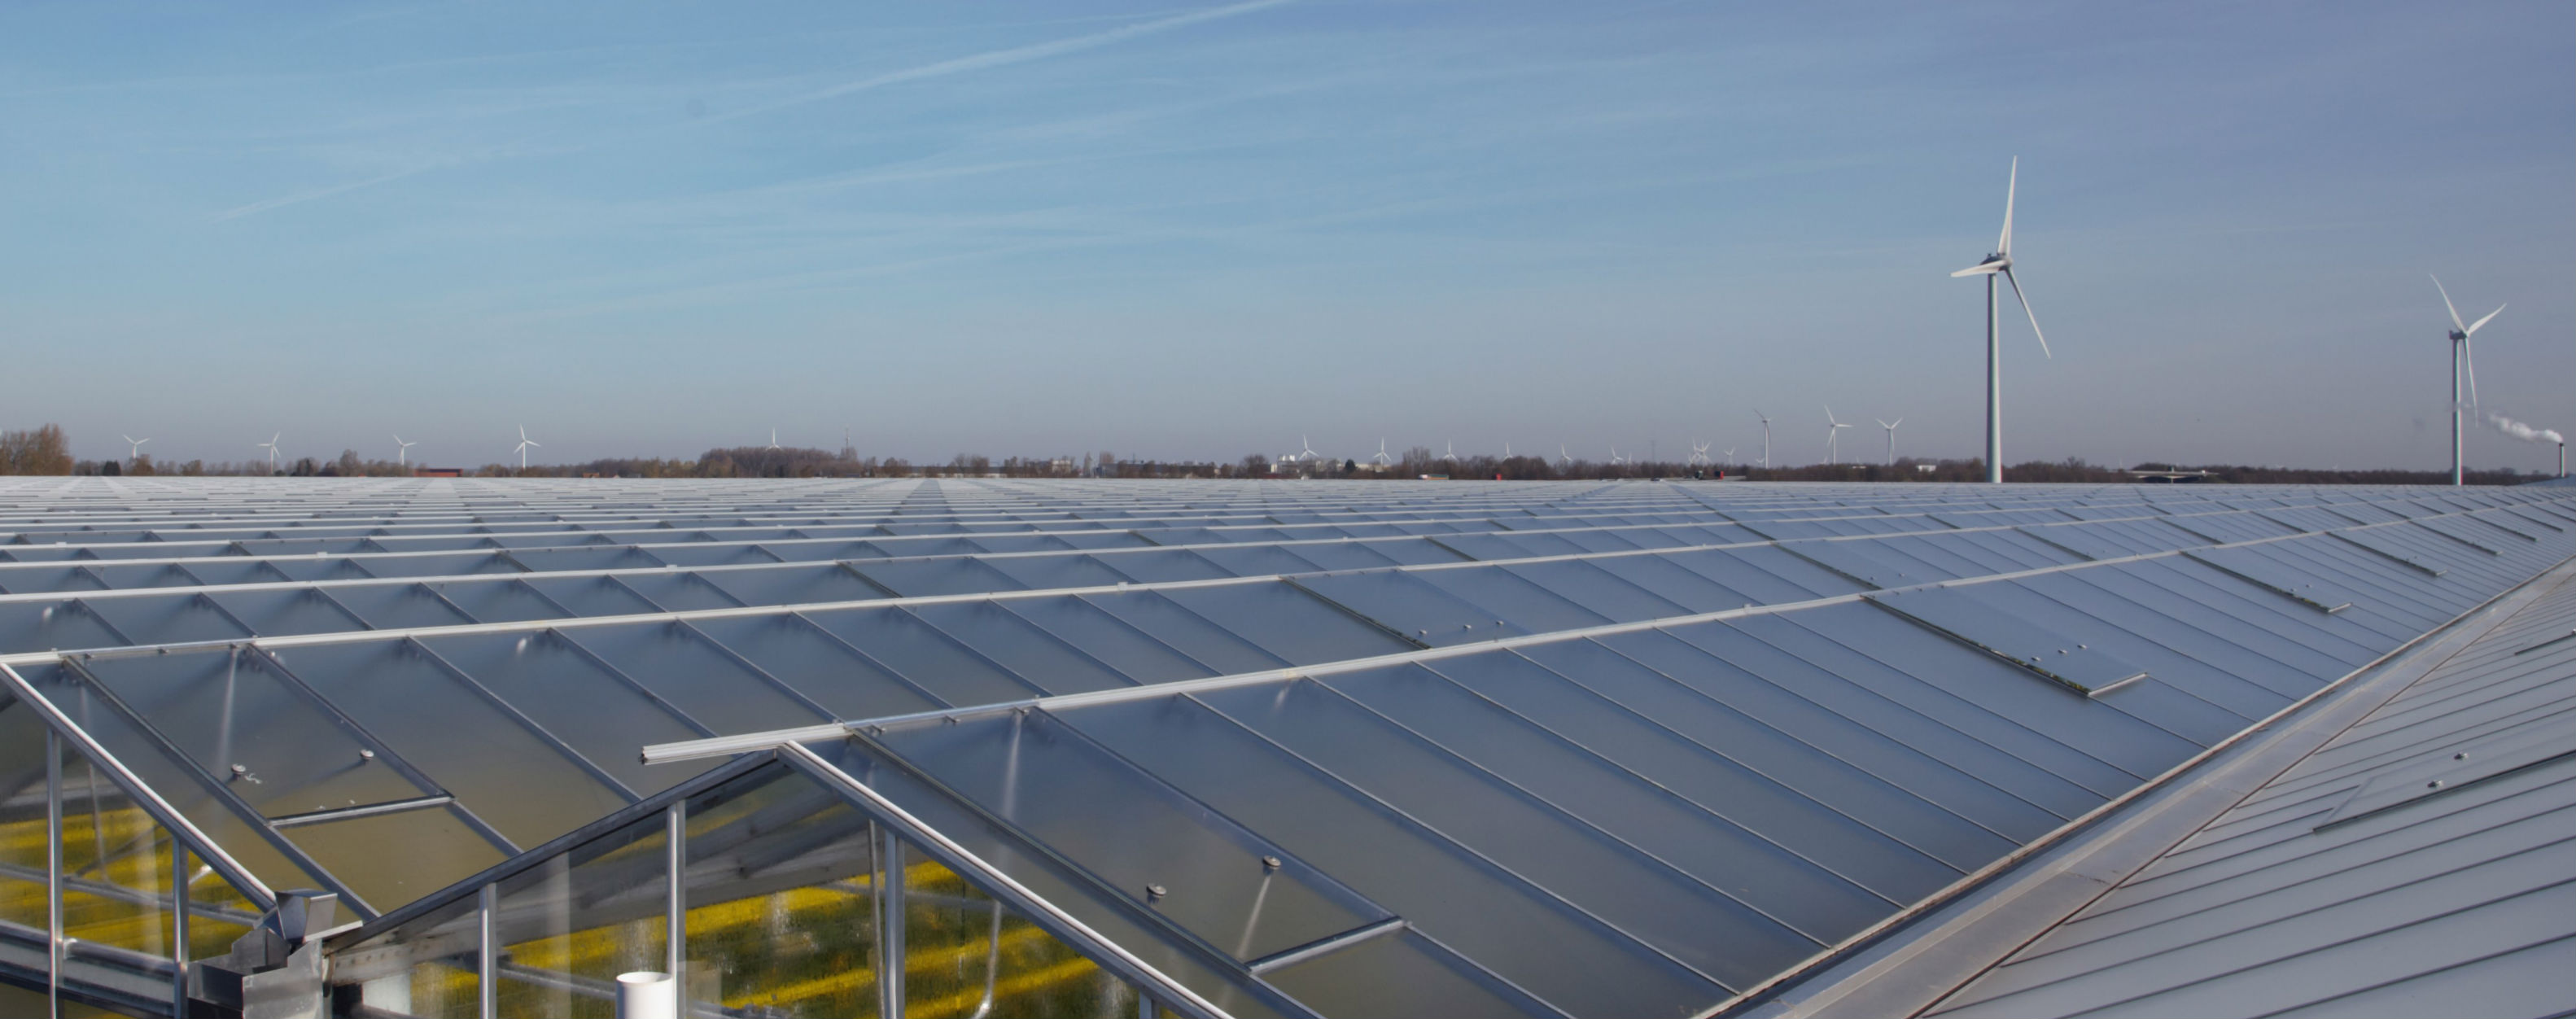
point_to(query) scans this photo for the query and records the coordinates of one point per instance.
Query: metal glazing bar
(619, 675)
(143, 795)
(384, 753)
(534, 729)
(223, 793)
(901, 825)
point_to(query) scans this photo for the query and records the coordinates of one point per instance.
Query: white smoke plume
(2522, 431)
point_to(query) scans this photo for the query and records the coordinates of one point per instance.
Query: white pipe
(647, 995)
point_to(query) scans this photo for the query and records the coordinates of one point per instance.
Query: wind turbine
(2460, 359)
(1562, 456)
(1891, 438)
(1831, 433)
(136, 453)
(1452, 454)
(1615, 457)
(1699, 453)
(773, 438)
(1305, 450)
(402, 452)
(2001, 264)
(1380, 459)
(271, 446)
(1766, 436)
(524, 443)
(1730, 454)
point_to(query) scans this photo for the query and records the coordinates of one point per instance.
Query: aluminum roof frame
(2397, 603)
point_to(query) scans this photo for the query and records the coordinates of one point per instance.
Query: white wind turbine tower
(1766, 436)
(1831, 433)
(773, 438)
(1452, 454)
(271, 447)
(524, 443)
(2460, 359)
(1891, 438)
(402, 452)
(136, 452)
(2001, 264)
(1381, 458)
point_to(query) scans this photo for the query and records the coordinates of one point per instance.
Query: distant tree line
(45, 450)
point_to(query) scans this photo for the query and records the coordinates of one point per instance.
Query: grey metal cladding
(2417, 860)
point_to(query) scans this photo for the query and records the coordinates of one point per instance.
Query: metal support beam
(53, 874)
(487, 970)
(890, 953)
(675, 826)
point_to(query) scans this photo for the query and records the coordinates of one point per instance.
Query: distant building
(438, 472)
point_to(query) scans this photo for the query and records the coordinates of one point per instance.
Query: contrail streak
(1014, 55)
(959, 65)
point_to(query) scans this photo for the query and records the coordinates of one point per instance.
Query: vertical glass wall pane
(116, 864)
(781, 893)
(966, 955)
(570, 925)
(424, 968)
(22, 815)
(218, 913)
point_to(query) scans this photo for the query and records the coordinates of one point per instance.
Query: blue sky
(1186, 229)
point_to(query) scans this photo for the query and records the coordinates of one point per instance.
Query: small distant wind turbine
(1766, 435)
(402, 452)
(1615, 457)
(1305, 449)
(2001, 264)
(1730, 454)
(271, 446)
(1835, 430)
(1381, 459)
(2460, 359)
(1699, 453)
(1562, 456)
(1891, 438)
(524, 443)
(1452, 454)
(773, 438)
(135, 453)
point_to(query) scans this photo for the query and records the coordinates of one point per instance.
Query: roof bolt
(238, 770)
(1155, 892)
(2461, 756)
(1269, 863)
(366, 755)
(2434, 784)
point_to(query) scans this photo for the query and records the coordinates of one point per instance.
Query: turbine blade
(2446, 303)
(2034, 316)
(1979, 269)
(2003, 245)
(2468, 353)
(2473, 326)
